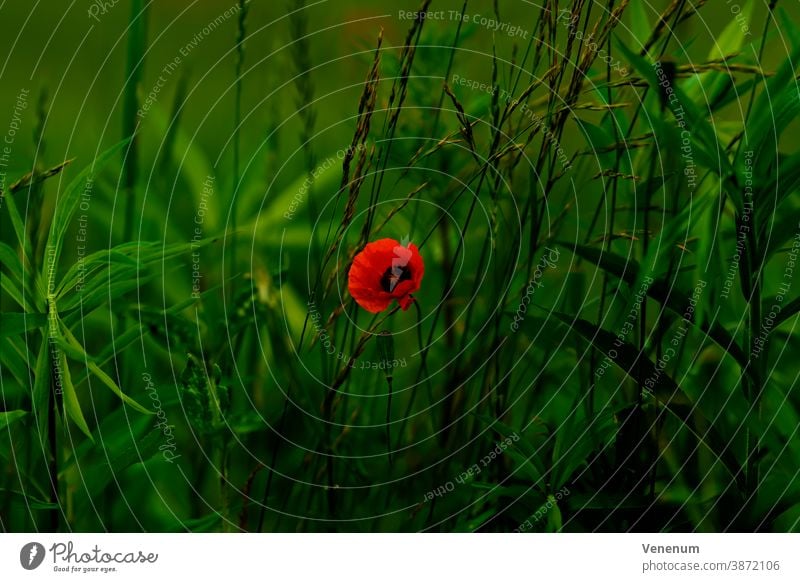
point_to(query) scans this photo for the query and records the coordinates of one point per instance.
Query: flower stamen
(393, 276)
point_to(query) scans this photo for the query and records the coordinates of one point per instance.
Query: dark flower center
(393, 276)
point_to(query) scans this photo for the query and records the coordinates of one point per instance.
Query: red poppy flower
(384, 271)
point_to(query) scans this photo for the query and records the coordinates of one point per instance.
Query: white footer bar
(400, 557)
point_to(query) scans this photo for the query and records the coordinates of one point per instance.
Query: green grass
(603, 336)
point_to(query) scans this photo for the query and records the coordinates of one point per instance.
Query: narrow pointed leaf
(102, 376)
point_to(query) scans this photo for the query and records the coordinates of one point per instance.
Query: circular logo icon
(31, 555)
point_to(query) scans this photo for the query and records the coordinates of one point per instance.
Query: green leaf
(207, 523)
(732, 38)
(95, 369)
(110, 280)
(75, 354)
(124, 444)
(571, 451)
(121, 342)
(777, 227)
(191, 161)
(787, 26)
(41, 391)
(30, 501)
(662, 291)
(705, 144)
(475, 523)
(130, 255)
(600, 143)
(639, 20)
(10, 260)
(657, 384)
(554, 522)
(93, 265)
(676, 232)
(15, 282)
(775, 106)
(522, 452)
(19, 228)
(764, 132)
(710, 86)
(786, 313)
(8, 285)
(19, 323)
(14, 357)
(8, 418)
(104, 291)
(71, 405)
(66, 204)
(782, 80)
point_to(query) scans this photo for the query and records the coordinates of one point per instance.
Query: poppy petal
(385, 271)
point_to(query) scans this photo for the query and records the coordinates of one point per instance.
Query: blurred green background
(252, 437)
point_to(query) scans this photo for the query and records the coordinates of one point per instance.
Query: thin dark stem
(388, 421)
(754, 379)
(273, 460)
(237, 121)
(54, 406)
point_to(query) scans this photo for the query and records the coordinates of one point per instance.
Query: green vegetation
(605, 199)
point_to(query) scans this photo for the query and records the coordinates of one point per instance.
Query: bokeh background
(591, 349)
